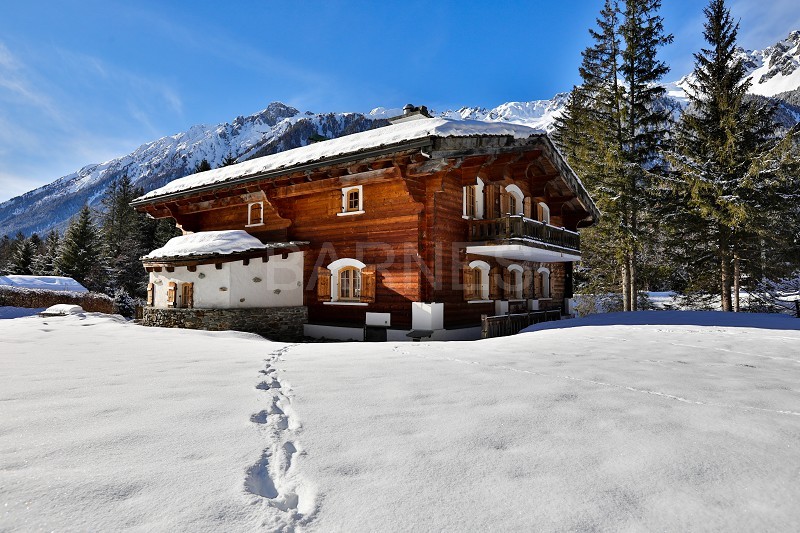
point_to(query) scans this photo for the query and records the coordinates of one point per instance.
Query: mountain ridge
(774, 71)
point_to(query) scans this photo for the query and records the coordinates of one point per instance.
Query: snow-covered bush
(124, 303)
(777, 296)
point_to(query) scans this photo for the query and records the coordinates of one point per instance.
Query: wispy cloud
(49, 128)
(764, 23)
(17, 87)
(122, 81)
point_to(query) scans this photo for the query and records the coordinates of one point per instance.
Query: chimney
(411, 112)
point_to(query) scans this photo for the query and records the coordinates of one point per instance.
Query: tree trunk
(737, 276)
(725, 271)
(633, 291)
(626, 286)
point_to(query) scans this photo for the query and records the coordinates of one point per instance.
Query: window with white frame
(516, 200)
(543, 212)
(352, 200)
(514, 282)
(255, 214)
(472, 196)
(349, 284)
(346, 283)
(544, 282)
(476, 282)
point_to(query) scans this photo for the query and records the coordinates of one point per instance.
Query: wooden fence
(510, 324)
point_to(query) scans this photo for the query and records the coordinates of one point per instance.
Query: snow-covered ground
(645, 421)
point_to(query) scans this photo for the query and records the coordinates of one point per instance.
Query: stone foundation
(275, 323)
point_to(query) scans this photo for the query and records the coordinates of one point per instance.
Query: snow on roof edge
(349, 144)
(205, 243)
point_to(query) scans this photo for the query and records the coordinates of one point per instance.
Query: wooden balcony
(521, 230)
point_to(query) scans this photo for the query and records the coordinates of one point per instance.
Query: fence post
(484, 327)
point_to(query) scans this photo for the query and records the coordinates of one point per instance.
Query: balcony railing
(519, 227)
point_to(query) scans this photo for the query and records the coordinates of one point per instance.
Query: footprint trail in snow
(273, 479)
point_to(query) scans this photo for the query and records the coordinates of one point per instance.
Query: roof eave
(336, 160)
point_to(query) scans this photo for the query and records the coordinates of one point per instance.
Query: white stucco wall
(276, 283)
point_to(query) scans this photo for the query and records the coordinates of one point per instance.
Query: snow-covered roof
(349, 144)
(50, 283)
(207, 243)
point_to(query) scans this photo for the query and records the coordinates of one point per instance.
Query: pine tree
(611, 133)
(44, 264)
(229, 160)
(202, 166)
(6, 249)
(81, 253)
(124, 232)
(22, 259)
(718, 139)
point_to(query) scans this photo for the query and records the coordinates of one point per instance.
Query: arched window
(255, 214)
(476, 281)
(515, 200)
(347, 281)
(543, 212)
(514, 282)
(544, 282)
(349, 284)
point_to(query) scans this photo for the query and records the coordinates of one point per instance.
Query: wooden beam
(361, 178)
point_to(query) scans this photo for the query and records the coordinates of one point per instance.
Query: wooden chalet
(420, 227)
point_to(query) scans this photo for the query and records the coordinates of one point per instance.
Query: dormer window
(352, 201)
(255, 214)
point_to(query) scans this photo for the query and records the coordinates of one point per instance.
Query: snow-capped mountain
(774, 71)
(276, 128)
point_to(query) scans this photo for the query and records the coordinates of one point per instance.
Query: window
(543, 212)
(470, 206)
(544, 282)
(515, 200)
(514, 282)
(349, 284)
(255, 214)
(476, 281)
(352, 201)
(472, 196)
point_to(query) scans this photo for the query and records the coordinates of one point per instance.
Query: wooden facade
(411, 217)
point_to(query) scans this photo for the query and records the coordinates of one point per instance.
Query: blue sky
(85, 81)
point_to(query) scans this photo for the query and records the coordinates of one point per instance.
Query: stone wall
(91, 302)
(275, 323)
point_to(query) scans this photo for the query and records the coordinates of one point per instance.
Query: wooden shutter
(526, 207)
(172, 294)
(150, 294)
(508, 284)
(491, 199)
(527, 283)
(496, 283)
(368, 284)
(189, 295)
(504, 204)
(472, 280)
(323, 284)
